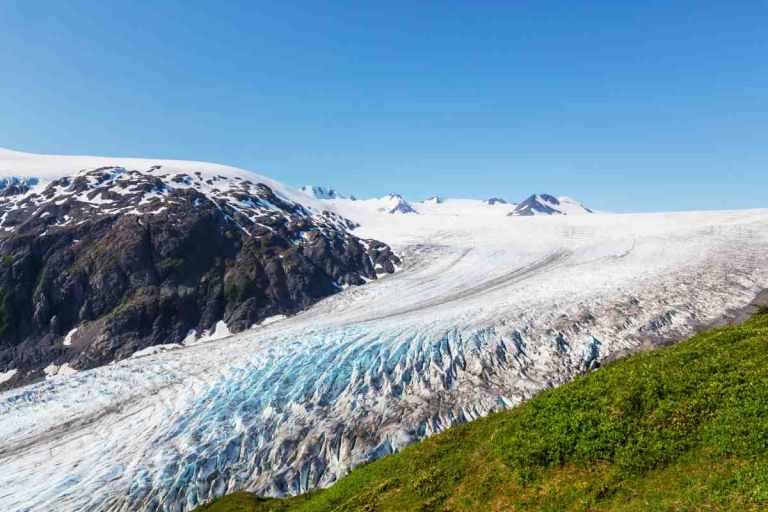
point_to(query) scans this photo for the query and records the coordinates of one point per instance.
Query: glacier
(487, 311)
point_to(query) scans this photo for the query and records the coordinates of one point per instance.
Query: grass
(683, 428)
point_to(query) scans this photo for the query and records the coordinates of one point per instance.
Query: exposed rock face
(537, 204)
(99, 265)
(14, 185)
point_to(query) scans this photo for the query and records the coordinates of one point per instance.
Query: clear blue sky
(628, 106)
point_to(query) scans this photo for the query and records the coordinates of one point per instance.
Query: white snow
(486, 311)
(51, 370)
(190, 338)
(54, 370)
(271, 320)
(68, 337)
(220, 330)
(47, 168)
(156, 349)
(7, 375)
(545, 204)
(390, 228)
(393, 204)
(66, 370)
(570, 206)
(318, 192)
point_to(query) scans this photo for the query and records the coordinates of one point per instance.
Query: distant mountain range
(535, 204)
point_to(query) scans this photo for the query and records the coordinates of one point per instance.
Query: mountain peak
(546, 204)
(395, 203)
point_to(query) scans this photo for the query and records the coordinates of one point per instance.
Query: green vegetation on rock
(680, 428)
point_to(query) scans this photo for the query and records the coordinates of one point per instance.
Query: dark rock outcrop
(537, 203)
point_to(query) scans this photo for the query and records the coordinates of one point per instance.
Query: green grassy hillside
(680, 428)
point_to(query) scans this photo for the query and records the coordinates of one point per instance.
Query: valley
(484, 311)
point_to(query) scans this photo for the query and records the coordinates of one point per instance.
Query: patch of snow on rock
(68, 337)
(8, 375)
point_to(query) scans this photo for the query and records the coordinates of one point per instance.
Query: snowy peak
(116, 190)
(495, 200)
(545, 204)
(395, 203)
(323, 192)
(37, 171)
(571, 206)
(434, 200)
(537, 204)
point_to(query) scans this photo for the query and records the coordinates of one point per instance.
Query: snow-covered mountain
(536, 204)
(323, 192)
(545, 204)
(394, 203)
(486, 311)
(102, 257)
(40, 170)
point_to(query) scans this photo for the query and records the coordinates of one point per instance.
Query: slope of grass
(681, 428)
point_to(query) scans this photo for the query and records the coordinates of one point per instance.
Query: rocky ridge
(395, 203)
(545, 204)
